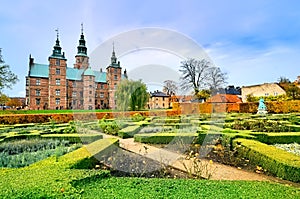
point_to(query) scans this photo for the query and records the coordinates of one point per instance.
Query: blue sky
(254, 41)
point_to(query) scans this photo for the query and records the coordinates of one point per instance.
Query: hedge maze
(75, 144)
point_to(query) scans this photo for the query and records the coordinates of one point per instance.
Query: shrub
(279, 138)
(129, 131)
(164, 138)
(109, 127)
(137, 117)
(276, 161)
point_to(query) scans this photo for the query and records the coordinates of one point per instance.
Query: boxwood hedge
(276, 161)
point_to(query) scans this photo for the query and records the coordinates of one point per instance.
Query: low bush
(276, 161)
(164, 138)
(278, 138)
(74, 138)
(129, 131)
(109, 127)
(137, 117)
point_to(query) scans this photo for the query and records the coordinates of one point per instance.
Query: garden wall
(249, 107)
(66, 117)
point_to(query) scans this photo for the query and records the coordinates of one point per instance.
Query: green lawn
(182, 188)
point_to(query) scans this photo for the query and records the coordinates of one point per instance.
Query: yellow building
(261, 90)
(158, 100)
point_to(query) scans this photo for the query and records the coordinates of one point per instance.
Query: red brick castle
(56, 86)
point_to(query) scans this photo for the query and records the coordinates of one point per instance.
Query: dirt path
(217, 171)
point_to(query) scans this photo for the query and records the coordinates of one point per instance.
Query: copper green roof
(89, 72)
(74, 74)
(42, 70)
(100, 76)
(39, 70)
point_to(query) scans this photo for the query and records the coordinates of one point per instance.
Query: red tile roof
(224, 98)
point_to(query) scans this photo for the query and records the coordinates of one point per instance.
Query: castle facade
(57, 86)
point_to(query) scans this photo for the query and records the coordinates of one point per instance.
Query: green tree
(131, 95)
(204, 94)
(3, 99)
(293, 91)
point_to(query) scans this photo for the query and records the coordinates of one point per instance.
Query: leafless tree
(194, 74)
(170, 87)
(216, 78)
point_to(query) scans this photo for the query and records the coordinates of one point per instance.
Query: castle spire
(113, 57)
(81, 49)
(57, 49)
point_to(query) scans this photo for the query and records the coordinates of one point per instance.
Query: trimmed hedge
(278, 138)
(164, 138)
(276, 161)
(129, 131)
(74, 138)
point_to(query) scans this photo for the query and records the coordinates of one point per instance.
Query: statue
(262, 109)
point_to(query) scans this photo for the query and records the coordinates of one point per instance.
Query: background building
(261, 90)
(56, 86)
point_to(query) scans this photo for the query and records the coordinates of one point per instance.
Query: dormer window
(57, 62)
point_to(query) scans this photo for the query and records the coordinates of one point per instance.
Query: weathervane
(56, 30)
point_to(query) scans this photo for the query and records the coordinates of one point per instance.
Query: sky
(253, 41)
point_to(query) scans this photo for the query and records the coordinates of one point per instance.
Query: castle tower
(57, 78)
(113, 77)
(88, 78)
(82, 60)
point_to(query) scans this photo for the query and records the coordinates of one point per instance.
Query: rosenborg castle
(56, 86)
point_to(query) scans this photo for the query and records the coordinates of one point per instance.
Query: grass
(182, 188)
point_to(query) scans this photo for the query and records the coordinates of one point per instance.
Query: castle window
(116, 77)
(57, 81)
(27, 92)
(116, 71)
(37, 92)
(101, 86)
(57, 101)
(74, 84)
(275, 94)
(37, 101)
(57, 62)
(90, 100)
(91, 77)
(115, 85)
(101, 94)
(266, 94)
(91, 92)
(57, 92)
(38, 82)
(27, 82)
(74, 94)
(57, 71)
(90, 86)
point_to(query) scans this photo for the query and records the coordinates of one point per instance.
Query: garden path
(216, 170)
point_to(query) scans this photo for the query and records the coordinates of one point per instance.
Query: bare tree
(194, 74)
(170, 87)
(216, 78)
(7, 78)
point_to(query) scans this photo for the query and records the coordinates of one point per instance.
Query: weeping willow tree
(131, 95)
